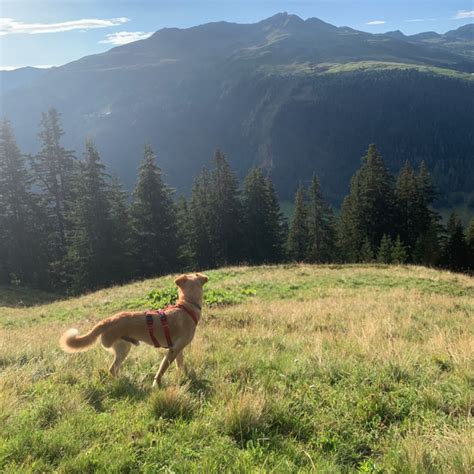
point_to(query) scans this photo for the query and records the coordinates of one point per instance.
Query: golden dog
(120, 331)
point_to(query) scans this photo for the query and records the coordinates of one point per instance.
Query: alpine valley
(294, 96)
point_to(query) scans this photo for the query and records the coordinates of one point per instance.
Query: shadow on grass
(123, 387)
(197, 385)
(103, 388)
(21, 297)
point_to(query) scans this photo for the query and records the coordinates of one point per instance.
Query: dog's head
(190, 286)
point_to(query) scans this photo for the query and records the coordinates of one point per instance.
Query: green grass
(294, 368)
(385, 65)
(312, 69)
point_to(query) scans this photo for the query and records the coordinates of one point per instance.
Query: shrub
(212, 297)
(244, 416)
(173, 402)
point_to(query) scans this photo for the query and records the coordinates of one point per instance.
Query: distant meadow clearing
(294, 368)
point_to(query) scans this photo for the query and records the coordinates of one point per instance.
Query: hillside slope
(459, 41)
(275, 93)
(309, 368)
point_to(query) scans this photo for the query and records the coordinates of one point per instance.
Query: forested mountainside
(296, 97)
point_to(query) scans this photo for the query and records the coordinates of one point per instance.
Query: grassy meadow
(294, 368)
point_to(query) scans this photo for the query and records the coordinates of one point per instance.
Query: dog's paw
(155, 384)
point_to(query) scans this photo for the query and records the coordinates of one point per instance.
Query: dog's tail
(70, 341)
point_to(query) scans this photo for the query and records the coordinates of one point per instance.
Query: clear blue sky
(54, 32)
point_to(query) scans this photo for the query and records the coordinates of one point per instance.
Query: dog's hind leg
(180, 362)
(120, 348)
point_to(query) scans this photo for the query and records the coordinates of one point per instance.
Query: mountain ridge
(234, 86)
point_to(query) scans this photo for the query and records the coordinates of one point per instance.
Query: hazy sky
(54, 32)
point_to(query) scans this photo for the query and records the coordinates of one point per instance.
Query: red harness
(164, 323)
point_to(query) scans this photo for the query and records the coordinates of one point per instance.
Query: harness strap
(191, 313)
(149, 324)
(166, 329)
(164, 323)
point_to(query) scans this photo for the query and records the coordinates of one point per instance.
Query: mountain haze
(296, 96)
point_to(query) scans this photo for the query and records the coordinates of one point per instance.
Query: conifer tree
(425, 184)
(427, 247)
(399, 252)
(455, 251)
(225, 213)
(91, 244)
(366, 254)
(200, 219)
(369, 209)
(321, 226)
(470, 245)
(20, 239)
(408, 201)
(122, 236)
(384, 254)
(351, 236)
(154, 221)
(54, 171)
(264, 225)
(297, 244)
(415, 193)
(277, 224)
(185, 231)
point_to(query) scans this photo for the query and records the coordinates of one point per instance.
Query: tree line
(67, 225)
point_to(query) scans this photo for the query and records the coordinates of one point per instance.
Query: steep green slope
(299, 368)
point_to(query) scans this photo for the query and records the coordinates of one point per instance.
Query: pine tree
(154, 221)
(263, 223)
(427, 195)
(455, 250)
(225, 213)
(425, 184)
(415, 195)
(297, 243)
(122, 236)
(54, 170)
(20, 239)
(408, 201)
(200, 219)
(427, 247)
(399, 252)
(321, 227)
(470, 246)
(366, 255)
(91, 249)
(185, 231)
(351, 236)
(384, 254)
(369, 209)
(277, 224)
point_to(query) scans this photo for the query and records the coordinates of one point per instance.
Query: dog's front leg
(165, 363)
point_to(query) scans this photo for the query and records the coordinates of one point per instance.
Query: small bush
(47, 414)
(160, 298)
(172, 403)
(244, 416)
(212, 297)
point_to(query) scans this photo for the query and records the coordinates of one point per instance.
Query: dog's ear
(202, 278)
(181, 279)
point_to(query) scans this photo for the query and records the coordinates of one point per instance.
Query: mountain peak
(282, 20)
(397, 34)
(465, 32)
